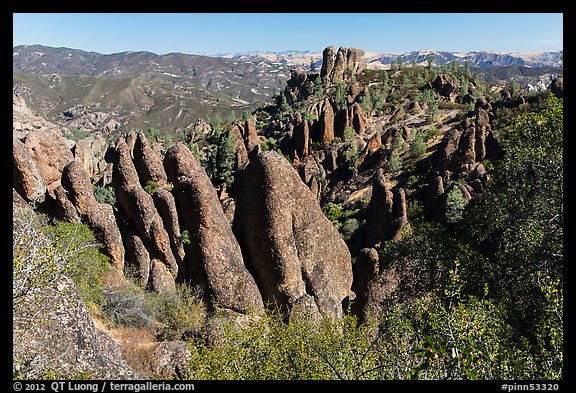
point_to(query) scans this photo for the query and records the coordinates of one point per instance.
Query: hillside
(366, 224)
(141, 89)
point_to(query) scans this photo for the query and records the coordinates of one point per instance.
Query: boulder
(148, 162)
(50, 153)
(26, 177)
(297, 257)
(139, 258)
(91, 153)
(98, 216)
(373, 145)
(445, 86)
(215, 260)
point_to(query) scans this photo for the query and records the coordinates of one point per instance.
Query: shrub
(417, 146)
(455, 204)
(105, 194)
(151, 187)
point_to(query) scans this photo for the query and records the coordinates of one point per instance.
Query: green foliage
(185, 237)
(153, 135)
(417, 146)
(105, 195)
(394, 162)
(348, 228)
(89, 265)
(271, 144)
(455, 204)
(222, 163)
(170, 314)
(77, 134)
(522, 214)
(316, 145)
(178, 313)
(151, 187)
(333, 211)
(349, 134)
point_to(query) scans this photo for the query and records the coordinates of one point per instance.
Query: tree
(429, 62)
(520, 218)
(225, 159)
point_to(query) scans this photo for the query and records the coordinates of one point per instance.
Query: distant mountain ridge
(478, 59)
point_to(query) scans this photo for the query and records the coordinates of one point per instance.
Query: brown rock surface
(357, 118)
(326, 123)
(296, 255)
(98, 216)
(26, 177)
(215, 257)
(379, 212)
(138, 206)
(50, 153)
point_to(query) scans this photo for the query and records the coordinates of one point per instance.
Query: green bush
(105, 195)
(89, 265)
(151, 187)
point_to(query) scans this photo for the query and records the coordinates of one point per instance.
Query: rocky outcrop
(365, 269)
(50, 153)
(341, 65)
(148, 162)
(328, 61)
(91, 152)
(295, 254)
(138, 206)
(139, 258)
(250, 136)
(66, 341)
(434, 202)
(357, 118)
(98, 216)
(372, 146)
(386, 212)
(445, 87)
(26, 177)
(215, 259)
(301, 137)
(326, 123)
(557, 87)
(239, 147)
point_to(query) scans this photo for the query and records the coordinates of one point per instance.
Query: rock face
(557, 87)
(386, 212)
(91, 153)
(445, 87)
(99, 216)
(326, 123)
(138, 206)
(301, 137)
(215, 259)
(328, 60)
(365, 269)
(341, 65)
(295, 254)
(68, 342)
(357, 118)
(50, 153)
(26, 178)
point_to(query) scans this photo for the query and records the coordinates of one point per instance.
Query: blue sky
(230, 33)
